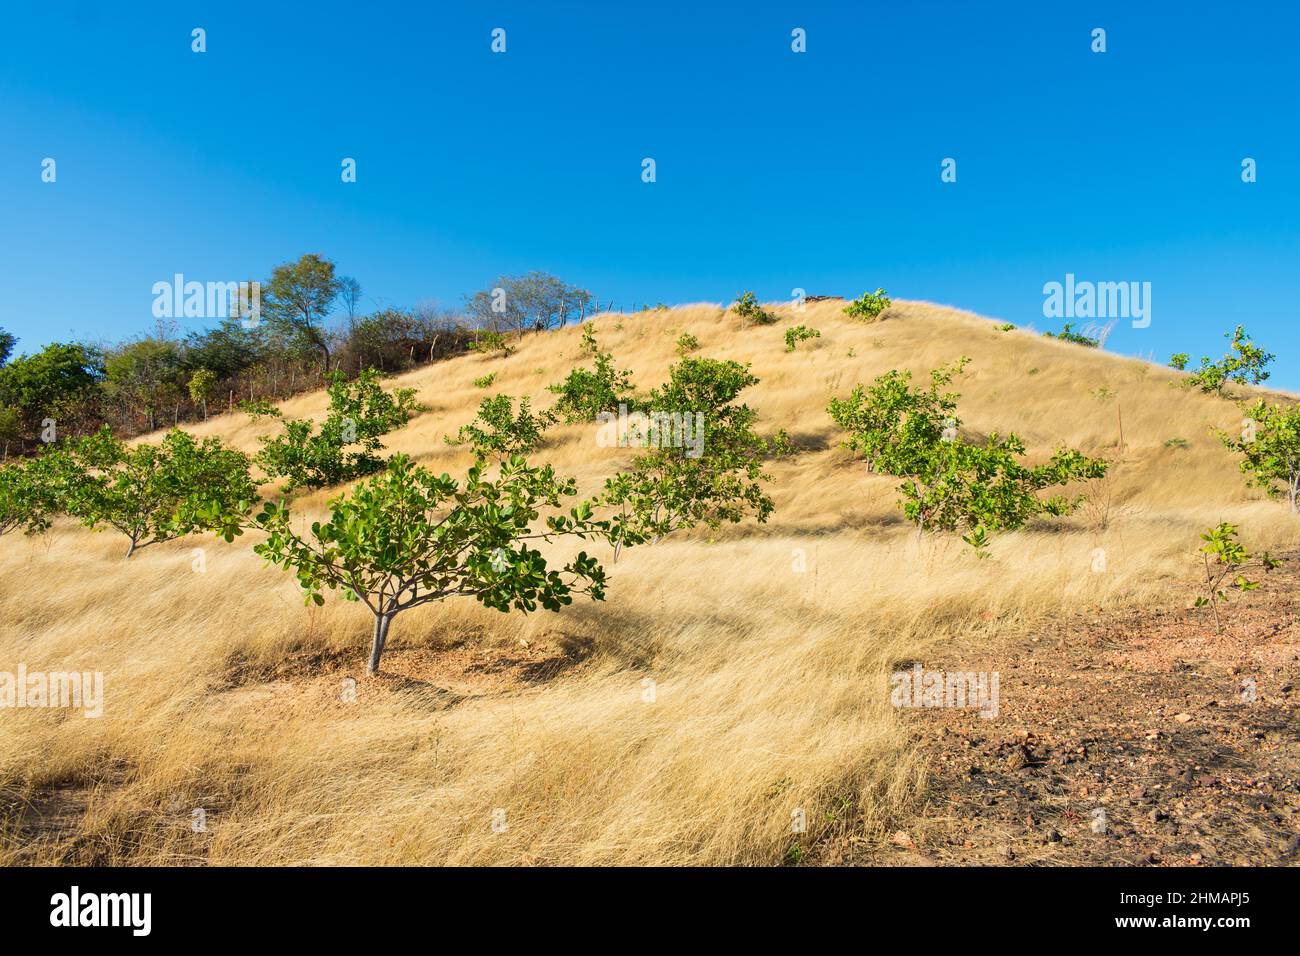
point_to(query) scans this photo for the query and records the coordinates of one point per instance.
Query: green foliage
(949, 483)
(1244, 363)
(360, 413)
(746, 306)
(489, 342)
(202, 386)
(32, 492)
(1175, 442)
(151, 493)
(1006, 327)
(675, 487)
(1227, 558)
(687, 343)
(797, 334)
(409, 537)
(7, 342)
(1269, 444)
(1067, 334)
(53, 383)
(497, 431)
(893, 426)
(485, 381)
(585, 393)
(296, 301)
(868, 306)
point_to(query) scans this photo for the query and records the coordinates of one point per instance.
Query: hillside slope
(730, 680)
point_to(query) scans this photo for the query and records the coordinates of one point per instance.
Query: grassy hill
(729, 680)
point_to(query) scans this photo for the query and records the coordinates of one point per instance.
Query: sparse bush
(1006, 327)
(408, 537)
(485, 381)
(1226, 557)
(1244, 363)
(489, 342)
(797, 334)
(360, 413)
(585, 393)
(497, 431)
(1270, 445)
(686, 344)
(1067, 334)
(746, 306)
(868, 306)
(1175, 442)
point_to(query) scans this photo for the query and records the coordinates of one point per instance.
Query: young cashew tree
(704, 464)
(1226, 557)
(408, 537)
(153, 493)
(1270, 447)
(31, 494)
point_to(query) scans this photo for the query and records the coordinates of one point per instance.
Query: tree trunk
(377, 643)
(131, 550)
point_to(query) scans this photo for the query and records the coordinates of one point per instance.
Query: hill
(731, 680)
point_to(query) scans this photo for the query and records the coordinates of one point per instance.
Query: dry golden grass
(716, 690)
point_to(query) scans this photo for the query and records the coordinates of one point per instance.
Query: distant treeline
(310, 324)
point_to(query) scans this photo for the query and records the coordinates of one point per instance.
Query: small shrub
(489, 342)
(868, 306)
(800, 333)
(498, 431)
(686, 344)
(1225, 557)
(485, 381)
(360, 413)
(746, 306)
(1175, 442)
(1006, 327)
(585, 393)
(1067, 334)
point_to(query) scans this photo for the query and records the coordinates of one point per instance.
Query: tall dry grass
(729, 680)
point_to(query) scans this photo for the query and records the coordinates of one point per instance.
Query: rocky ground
(1122, 739)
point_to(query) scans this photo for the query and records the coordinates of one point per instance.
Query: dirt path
(1141, 739)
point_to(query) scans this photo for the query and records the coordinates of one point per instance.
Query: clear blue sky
(775, 170)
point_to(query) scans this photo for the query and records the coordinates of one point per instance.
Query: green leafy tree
(346, 446)
(202, 386)
(32, 492)
(1244, 363)
(153, 493)
(1067, 334)
(678, 485)
(892, 425)
(797, 334)
(147, 374)
(868, 306)
(297, 300)
(585, 393)
(746, 306)
(7, 343)
(55, 383)
(499, 432)
(1269, 444)
(490, 342)
(408, 537)
(1227, 558)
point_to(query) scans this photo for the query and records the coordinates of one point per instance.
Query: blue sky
(775, 170)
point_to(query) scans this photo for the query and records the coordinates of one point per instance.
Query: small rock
(1182, 718)
(901, 838)
(1157, 815)
(1053, 837)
